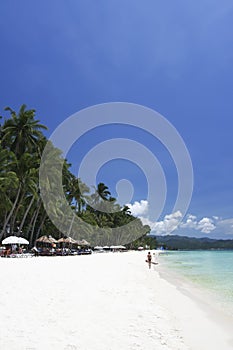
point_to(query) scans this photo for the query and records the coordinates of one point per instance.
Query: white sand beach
(106, 301)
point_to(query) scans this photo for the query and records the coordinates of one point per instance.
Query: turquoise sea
(209, 270)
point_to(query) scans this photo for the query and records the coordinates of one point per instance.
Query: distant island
(176, 242)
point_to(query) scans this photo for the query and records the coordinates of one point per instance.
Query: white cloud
(169, 224)
(191, 222)
(139, 208)
(206, 225)
(214, 225)
(226, 226)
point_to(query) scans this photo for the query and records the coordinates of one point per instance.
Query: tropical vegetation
(176, 242)
(22, 210)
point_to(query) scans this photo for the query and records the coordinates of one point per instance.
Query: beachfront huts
(47, 245)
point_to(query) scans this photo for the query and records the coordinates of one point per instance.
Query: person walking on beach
(149, 258)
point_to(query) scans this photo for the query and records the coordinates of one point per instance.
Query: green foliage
(98, 214)
(146, 241)
(175, 242)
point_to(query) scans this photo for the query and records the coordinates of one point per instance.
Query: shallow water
(211, 270)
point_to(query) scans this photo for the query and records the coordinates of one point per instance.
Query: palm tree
(22, 131)
(26, 169)
(8, 187)
(21, 134)
(32, 192)
(126, 210)
(102, 191)
(77, 192)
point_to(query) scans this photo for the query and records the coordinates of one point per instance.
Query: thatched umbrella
(46, 239)
(83, 242)
(52, 240)
(61, 240)
(46, 242)
(43, 239)
(69, 240)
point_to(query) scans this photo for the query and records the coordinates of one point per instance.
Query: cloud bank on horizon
(213, 227)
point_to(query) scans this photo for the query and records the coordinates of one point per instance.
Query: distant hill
(175, 242)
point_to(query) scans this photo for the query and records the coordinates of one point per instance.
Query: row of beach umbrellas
(70, 240)
(51, 240)
(110, 247)
(44, 239)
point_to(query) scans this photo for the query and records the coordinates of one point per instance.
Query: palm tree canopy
(103, 191)
(22, 130)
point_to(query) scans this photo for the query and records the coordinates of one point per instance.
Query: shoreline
(194, 289)
(100, 302)
(206, 303)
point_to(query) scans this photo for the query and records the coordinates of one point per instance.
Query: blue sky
(174, 57)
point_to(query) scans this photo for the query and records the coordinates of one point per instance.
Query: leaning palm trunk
(25, 214)
(31, 223)
(11, 212)
(41, 225)
(34, 217)
(14, 215)
(71, 225)
(34, 222)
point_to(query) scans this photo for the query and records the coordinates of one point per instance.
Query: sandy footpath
(106, 301)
